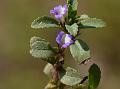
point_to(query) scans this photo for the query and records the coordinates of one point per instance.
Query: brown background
(19, 70)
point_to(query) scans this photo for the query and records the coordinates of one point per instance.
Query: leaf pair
(48, 22)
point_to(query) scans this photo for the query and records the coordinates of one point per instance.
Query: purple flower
(59, 11)
(64, 40)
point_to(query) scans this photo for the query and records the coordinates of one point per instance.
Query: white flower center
(61, 10)
(67, 39)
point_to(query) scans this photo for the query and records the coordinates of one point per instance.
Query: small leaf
(72, 8)
(70, 77)
(44, 22)
(91, 23)
(80, 51)
(48, 69)
(42, 49)
(94, 76)
(73, 29)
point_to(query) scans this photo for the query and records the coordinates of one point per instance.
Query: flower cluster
(64, 40)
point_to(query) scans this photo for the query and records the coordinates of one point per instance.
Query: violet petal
(59, 37)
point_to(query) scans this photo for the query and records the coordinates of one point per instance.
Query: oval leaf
(80, 51)
(91, 23)
(44, 22)
(70, 77)
(94, 76)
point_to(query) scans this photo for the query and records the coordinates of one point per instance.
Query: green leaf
(40, 45)
(94, 76)
(34, 39)
(73, 29)
(43, 54)
(42, 49)
(82, 17)
(91, 23)
(72, 8)
(44, 22)
(80, 51)
(70, 77)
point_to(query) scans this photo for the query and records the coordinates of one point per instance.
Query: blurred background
(19, 70)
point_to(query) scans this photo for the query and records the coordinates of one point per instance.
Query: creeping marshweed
(69, 25)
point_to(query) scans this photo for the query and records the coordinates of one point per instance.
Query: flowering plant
(69, 25)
